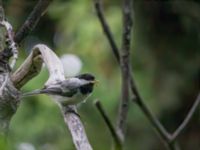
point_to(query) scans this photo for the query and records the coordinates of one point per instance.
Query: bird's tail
(32, 93)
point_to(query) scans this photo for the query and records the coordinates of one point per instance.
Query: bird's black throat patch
(86, 89)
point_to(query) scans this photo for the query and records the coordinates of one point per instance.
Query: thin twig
(182, 126)
(125, 67)
(164, 134)
(32, 20)
(139, 101)
(106, 28)
(114, 134)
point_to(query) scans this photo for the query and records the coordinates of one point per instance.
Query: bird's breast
(77, 98)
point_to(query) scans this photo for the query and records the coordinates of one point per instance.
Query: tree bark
(9, 98)
(76, 128)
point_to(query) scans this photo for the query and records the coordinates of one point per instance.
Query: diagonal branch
(106, 28)
(187, 119)
(139, 101)
(32, 20)
(76, 128)
(115, 136)
(165, 136)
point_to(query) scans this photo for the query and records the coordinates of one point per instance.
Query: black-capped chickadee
(70, 91)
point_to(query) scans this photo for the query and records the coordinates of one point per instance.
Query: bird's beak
(95, 82)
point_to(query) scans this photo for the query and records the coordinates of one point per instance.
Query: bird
(69, 91)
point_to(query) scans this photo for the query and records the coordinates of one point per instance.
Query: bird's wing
(66, 88)
(70, 84)
(58, 91)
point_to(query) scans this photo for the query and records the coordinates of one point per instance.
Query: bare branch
(125, 67)
(29, 69)
(187, 119)
(154, 121)
(115, 136)
(32, 20)
(106, 28)
(32, 66)
(76, 128)
(137, 98)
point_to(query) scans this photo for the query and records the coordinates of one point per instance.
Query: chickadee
(70, 91)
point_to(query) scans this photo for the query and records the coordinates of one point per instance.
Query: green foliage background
(165, 58)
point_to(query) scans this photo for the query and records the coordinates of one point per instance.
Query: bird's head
(88, 81)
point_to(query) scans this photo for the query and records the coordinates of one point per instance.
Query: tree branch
(76, 128)
(115, 136)
(125, 67)
(8, 93)
(187, 119)
(165, 136)
(29, 69)
(32, 20)
(106, 28)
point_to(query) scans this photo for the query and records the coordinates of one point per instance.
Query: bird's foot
(71, 109)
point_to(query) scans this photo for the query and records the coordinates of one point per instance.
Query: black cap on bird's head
(88, 87)
(86, 76)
